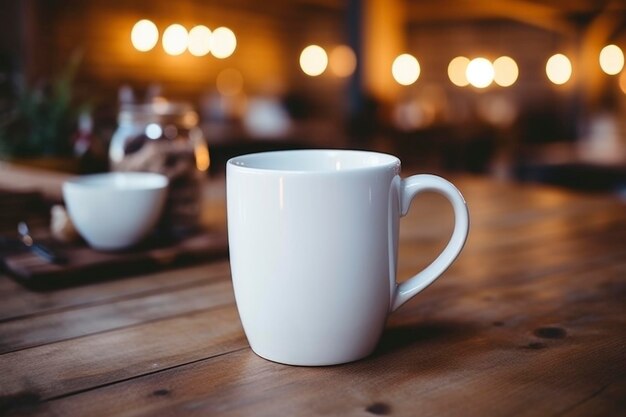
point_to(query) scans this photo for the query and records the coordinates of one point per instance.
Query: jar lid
(180, 113)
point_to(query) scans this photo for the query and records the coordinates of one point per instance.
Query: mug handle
(409, 188)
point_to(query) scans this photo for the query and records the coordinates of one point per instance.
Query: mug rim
(243, 163)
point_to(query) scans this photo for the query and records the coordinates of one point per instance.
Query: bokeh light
(153, 131)
(559, 69)
(405, 69)
(622, 82)
(505, 71)
(480, 72)
(611, 59)
(497, 110)
(414, 114)
(144, 35)
(313, 60)
(199, 40)
(229, 82)
(175, 39)
(224, 42)
(456, 71)
(342, 61)
(200, 148)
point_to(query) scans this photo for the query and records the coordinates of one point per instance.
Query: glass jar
(164, 137)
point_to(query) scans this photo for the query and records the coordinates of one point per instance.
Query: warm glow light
(456, 71)
(175, 39)
(611, 59)
(622, 82)
(313, 60)
(405, 69)
(144, 35)
(342, 61)
(505, 71)
(224, 42)
(199, 40)
(559, 69)
(203, 159)
(480, 72)
(229, 82)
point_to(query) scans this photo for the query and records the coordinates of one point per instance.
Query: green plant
(40, 120)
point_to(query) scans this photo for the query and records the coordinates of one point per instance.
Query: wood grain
(78, 364)
(530, 321)
(17, 303)
(505, 356)
(72, 323)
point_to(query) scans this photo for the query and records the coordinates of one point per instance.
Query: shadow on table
(422, 335)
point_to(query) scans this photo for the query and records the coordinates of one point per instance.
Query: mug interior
(121, 181)
(314, 160)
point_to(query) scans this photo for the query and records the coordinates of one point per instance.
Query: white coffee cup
(313, 238)
(115, 210)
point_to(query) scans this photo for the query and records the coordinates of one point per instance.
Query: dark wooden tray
(85, 265)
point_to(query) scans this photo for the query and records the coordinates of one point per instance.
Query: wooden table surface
(530, 321)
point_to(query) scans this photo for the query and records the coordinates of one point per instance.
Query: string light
(199, 40)
(559, 69)
(175, 39)
(144, 35)
(313, 60)
(405, 69)
(456, 71)
(611, 59)
(505, 71)
(224, 42)
(480, 72)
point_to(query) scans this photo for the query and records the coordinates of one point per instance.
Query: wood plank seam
(208, 358)
(584, 400)
(123, 297)
(151, 321)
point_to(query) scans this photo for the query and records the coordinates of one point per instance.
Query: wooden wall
(270, 36)
(269, 40)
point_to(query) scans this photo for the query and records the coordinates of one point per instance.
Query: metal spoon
(37, 248)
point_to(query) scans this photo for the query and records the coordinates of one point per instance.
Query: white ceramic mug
(313, 238)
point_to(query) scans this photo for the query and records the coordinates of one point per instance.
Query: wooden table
(530, 321)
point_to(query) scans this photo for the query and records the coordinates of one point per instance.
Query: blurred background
(530, 90)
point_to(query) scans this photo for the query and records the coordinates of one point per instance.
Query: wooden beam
(535, 14)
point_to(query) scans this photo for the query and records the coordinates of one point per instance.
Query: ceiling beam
(541, 15)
